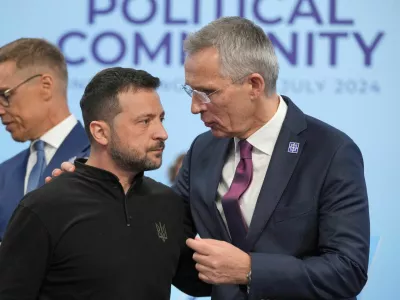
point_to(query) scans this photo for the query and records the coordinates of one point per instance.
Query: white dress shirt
(53, 139)
(263, 141)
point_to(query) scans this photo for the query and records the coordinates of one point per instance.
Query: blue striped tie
(38, 168)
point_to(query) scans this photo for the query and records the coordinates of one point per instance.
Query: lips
(159, 148)
(7, 125)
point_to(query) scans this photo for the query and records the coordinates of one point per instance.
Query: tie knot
(38, 145)
(245, 149)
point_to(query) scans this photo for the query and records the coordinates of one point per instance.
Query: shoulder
(319, 132)
(154, 187)
(52, 195)
(12, 166)
(160, 190)
(315, 131)
(206, 141)
(11, 162)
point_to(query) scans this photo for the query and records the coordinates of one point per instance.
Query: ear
(100, 131)
(47, 86)
(257, 85)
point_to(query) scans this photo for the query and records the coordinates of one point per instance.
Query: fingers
(198, 245)
(201, 259)
(203, 269)
(54, 173)
(205, 278)
(67, 167)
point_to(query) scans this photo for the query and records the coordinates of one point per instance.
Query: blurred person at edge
(34, 108)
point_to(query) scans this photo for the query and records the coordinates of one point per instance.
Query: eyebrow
(201, 88)
(150, 115)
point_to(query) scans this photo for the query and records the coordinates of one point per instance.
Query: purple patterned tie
(230, 202)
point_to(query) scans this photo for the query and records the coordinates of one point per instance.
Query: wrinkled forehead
(202, 69)
(141, 101)
(8, 72)
(11, 75)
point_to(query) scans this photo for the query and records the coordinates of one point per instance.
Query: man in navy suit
(33, 107)
(278, 197)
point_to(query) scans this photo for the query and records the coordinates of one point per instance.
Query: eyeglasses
(5, 95)
(205, 97)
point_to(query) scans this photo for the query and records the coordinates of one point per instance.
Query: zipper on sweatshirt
(127, 216)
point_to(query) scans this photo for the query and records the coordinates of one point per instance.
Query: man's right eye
(207, 92)
(145, 121)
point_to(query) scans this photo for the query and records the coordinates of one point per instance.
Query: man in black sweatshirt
(105, 231)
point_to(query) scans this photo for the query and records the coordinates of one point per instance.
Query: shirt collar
(100, 174)
(264, 139)
(56, 135)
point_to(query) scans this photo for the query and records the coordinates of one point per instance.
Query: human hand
(219, 262)
(65, 167)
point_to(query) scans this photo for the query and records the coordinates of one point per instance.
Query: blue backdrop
(337, 58)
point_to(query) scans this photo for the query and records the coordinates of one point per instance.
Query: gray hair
(243, 46)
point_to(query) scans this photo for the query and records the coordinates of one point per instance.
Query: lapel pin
(293, 147)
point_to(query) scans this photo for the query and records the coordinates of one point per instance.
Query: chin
(18, 138)
(154, 165)
(219, 133)
(157, 160)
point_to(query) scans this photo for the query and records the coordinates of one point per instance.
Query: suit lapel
(75, 142)
(216, 158)
(17, 184)
(280, 169)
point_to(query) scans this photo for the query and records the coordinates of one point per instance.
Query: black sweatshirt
(81, 237)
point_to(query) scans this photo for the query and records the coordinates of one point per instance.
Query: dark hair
(27, 52)
(174, 167)
(100, 98)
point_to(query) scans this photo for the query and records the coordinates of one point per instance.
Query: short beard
(129, 159)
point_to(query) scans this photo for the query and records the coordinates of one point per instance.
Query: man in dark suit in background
(33, 107)
(278, 197)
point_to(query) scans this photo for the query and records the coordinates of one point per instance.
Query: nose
(161, 133)
(197, 105)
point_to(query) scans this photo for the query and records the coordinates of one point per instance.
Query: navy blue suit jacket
(309, 235)
(13, 170)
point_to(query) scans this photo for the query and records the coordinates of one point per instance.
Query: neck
(101, 160)
(265, 110)
(58, 112)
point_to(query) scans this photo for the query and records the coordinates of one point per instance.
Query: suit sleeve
(182, 181)
(339, 270)
(24, 256)
(186, 278)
